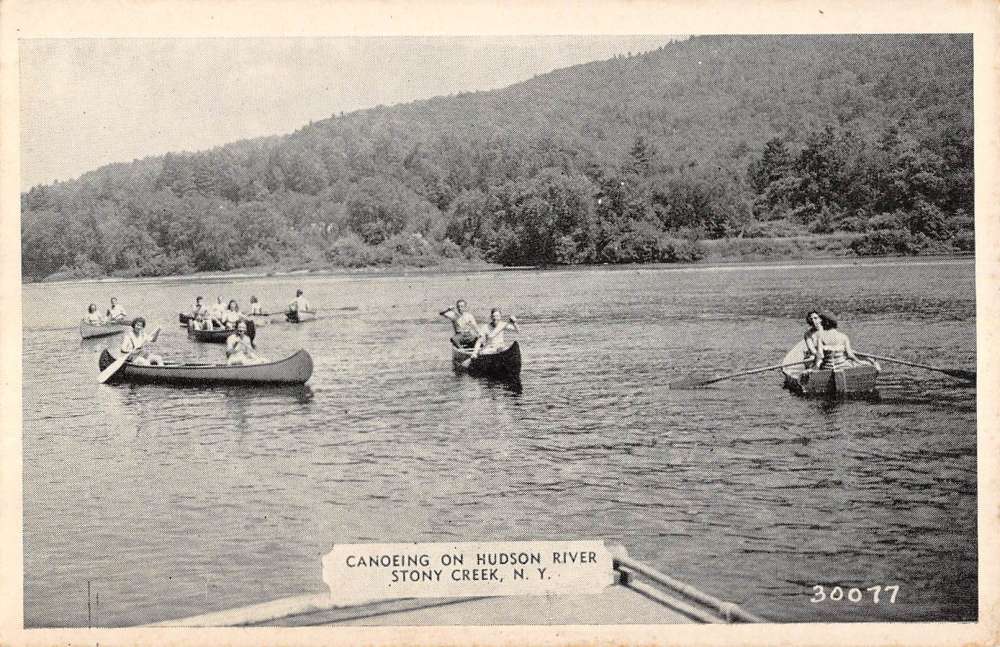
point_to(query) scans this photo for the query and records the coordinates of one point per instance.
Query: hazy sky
(88, 102)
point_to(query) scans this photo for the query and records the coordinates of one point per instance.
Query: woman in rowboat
(135, 342)
(491, 341)
(832, 347)
(93, 316)
(815, 322)
(255, 307)
(240, 348)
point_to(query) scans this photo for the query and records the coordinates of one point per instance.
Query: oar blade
(969, 376)
(690, 382)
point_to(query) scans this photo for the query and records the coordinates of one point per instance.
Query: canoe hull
(90, 331)
(504, 365)
(219, 335)
(855, 379)
(296, 369)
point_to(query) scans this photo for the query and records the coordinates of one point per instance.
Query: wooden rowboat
(300, 317)
(89, 330)
(219, 335)
(504, 364)
(853, 379)
(296, 369)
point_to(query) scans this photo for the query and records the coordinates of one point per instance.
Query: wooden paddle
(116, 366)
(691, 382)
(961, 374)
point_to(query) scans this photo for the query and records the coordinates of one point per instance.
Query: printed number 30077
(837, 594)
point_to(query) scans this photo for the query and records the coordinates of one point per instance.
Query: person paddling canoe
(492, 339)
(216, 312)
(240, 348)
(115, 313)
(202, 320)
(135, 342)
(832, 347)
(199, 305)
(299, 305)
(466, 329)
(93, 316)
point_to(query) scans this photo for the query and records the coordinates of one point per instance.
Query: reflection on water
(176, 501)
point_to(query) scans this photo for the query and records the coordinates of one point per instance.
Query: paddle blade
(690, 382)
(110, 371)
(969, 376)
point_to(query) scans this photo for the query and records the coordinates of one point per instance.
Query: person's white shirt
(231, 317)
(94, 318)
(302, 303)
(217, 311)
(464, 322)
(132, 342)
(116, 312)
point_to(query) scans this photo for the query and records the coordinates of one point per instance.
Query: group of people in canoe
(219, 315)
(114, 314)
(487, 338)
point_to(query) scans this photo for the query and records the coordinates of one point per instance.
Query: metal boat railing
(712, 609)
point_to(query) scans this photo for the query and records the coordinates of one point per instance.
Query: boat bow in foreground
(296, 369)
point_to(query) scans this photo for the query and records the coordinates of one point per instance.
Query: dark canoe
(299, 317)
(854, 379)
(89, 330)
(296, 369)
(504, 364)
(219, 335)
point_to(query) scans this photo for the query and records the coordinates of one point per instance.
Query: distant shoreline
(711, 260)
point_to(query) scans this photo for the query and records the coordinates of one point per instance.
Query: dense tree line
(634, 159)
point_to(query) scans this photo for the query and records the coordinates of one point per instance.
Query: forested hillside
(635, 159)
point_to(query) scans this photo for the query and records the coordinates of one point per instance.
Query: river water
(180, 501)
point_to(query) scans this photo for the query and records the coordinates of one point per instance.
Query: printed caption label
(357, 572)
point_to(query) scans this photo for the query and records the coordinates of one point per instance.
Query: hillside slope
(631, 159)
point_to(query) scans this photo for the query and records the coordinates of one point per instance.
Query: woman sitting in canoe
(255, 307)
(232, 315)
(135, 341)
(93, 316)
(240, 348)
(831, 348)
(491, 341)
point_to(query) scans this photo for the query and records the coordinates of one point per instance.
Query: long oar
(691, 382)
(961, 374)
